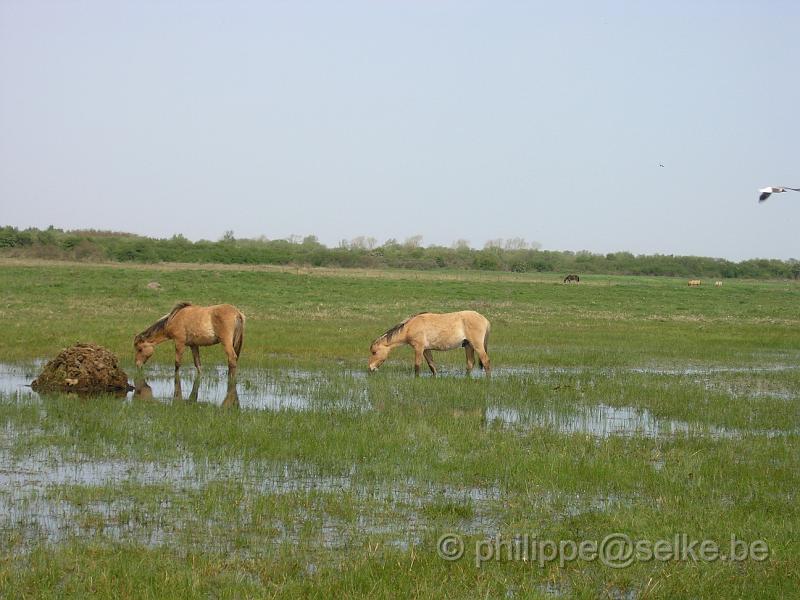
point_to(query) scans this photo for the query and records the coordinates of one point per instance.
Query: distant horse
(718, 284)
(194, 326)
(694, 283)
(436, 331)
(574, 278)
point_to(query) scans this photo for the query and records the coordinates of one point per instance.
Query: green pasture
(627, 405)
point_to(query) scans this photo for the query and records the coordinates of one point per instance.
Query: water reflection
(178, 393)
(141, 389)
(144, 391)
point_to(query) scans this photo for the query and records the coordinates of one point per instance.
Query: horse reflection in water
(144, 391)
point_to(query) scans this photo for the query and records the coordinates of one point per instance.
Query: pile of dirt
(82, 368)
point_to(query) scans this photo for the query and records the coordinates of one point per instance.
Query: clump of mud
(85, 368)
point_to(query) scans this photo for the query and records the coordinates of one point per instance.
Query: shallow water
(32, 501)
(602, 421)
(298, 390)
(252, 389)
(33, 498)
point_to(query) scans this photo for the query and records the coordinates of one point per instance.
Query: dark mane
(392, 331)
(159, 325)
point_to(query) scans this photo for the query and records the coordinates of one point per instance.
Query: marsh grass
(626, 404)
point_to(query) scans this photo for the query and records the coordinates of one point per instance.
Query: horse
(574, 278)
(428, 331)
(194, 326)
(694, 283)
(717, 284)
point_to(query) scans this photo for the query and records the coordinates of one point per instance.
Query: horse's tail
(485, 343)
(238, 334)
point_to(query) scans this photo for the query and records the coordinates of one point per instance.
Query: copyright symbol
(616, 551)
(450, 547)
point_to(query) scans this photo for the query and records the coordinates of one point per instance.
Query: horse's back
(460, 316)
(443, 331)
(205, 325)
(474, 317)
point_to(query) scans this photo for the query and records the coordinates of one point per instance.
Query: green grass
(348, 496)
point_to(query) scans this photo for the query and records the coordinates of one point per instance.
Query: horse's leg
(196, 357)
(232, 358)
(429, 359)
(418, 353)
(179, 348)
(470, 357)
(231, 395)
(178, 393)
(484, 358)
(195, 389)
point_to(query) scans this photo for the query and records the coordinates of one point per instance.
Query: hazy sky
(475, 120)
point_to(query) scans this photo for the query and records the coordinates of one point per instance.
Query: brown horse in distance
(570, 278)
(436, 331)
(194, 326)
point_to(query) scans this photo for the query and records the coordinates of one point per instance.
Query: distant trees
(512, 254)
(514, 243)
(363, 242)
(415, 241)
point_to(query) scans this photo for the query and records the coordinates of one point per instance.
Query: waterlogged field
(619, 409)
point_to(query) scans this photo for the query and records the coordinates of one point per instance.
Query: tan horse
(194, 326)
(694, 283)
(435, 331)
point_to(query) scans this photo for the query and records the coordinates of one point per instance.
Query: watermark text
(615, 550)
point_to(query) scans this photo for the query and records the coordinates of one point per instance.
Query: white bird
(765, 192)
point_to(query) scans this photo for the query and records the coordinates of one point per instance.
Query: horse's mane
(390, 333)
(161, 323)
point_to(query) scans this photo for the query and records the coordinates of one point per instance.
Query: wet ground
(295, 390)
(30, 487)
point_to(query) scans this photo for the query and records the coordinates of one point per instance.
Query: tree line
(513, 254)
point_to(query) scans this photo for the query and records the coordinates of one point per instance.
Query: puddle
(33, 505)
(555, 589)
(653, 370)
(603, 421)
(34, 502)
(253, 389)
(549, 371)
(289, 389)
(749, 389)
(710, 370)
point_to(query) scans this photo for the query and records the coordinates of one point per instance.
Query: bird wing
(793, 189)
(764, 196)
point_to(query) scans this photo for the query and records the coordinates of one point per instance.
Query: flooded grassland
(625, 406)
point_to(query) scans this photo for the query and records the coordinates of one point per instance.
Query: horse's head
(144, 350)
(378, 352)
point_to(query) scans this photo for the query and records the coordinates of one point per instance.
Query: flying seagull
(765, 192)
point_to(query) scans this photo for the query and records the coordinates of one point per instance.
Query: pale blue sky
(472, 120)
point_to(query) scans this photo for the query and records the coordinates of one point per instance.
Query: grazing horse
(194, 326)
(718, 284)
(574, 278)
(436, 331)
(694, 283)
